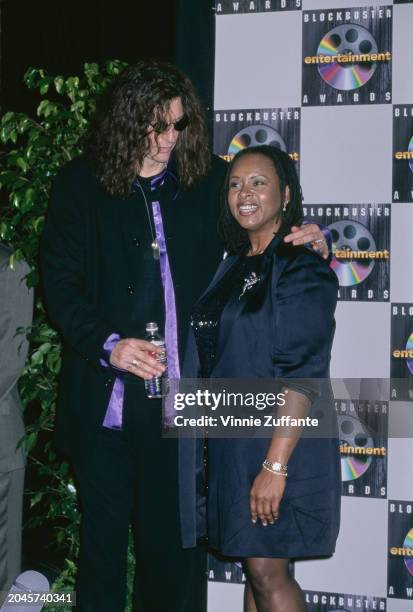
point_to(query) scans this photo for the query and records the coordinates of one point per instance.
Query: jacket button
(135, 242)
(131, 289)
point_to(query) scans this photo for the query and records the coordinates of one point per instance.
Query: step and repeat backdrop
(331, 83)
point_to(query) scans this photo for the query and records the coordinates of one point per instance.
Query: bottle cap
(152, 327)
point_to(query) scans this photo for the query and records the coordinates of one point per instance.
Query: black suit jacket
(92, 257)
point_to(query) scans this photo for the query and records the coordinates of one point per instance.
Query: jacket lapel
(253, 296)
(223, 268)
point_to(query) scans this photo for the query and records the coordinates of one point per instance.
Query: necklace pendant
(155, 250)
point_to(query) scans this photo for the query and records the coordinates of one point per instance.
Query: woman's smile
(247, 210)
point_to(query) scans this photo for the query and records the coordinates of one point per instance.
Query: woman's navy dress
(280, 326)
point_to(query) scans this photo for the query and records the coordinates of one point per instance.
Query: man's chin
(163, 157)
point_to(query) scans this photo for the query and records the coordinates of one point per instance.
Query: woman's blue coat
(282, 328)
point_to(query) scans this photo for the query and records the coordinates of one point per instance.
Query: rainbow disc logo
(353, 436)
(350, 39)
(410, 149)
(408, 543)
(353, 237)
(254, 136)
(409, 347)
(354, 467)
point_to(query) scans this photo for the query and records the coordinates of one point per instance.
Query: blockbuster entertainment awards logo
(361, 248)
(319, 601)
(400, 550)
(363, 427)
(235, 7)
(224, 571)
(235, 130)
(402, 352)
(347, 55)
(403, 153)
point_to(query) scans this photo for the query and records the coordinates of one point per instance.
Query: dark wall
(61, 35)
(195, 30)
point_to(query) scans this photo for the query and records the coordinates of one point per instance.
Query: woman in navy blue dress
(269, 314)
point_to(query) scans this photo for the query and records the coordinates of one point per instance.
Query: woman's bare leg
(273, 588)
(249, 601)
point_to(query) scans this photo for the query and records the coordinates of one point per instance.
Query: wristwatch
(275, 466)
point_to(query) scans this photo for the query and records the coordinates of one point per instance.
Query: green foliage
(35, 148)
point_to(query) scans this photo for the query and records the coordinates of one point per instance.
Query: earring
(285, 207)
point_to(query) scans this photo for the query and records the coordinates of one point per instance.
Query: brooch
(249, 282)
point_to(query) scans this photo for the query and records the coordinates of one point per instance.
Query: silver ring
(135, 363)
(319, 241)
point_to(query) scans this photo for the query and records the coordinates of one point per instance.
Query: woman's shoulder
(294, 259)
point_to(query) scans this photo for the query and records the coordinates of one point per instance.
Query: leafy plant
(35, 148)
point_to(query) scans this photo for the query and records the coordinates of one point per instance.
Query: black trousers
(131, 476)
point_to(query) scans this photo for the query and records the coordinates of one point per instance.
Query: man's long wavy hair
(140, 96)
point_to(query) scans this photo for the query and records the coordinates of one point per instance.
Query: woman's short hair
(235, 237)
(138, 97)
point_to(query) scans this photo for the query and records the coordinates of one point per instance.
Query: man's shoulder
(209, 185)
(218, 162)
(214, 178)
(218, 166)
(76, 170)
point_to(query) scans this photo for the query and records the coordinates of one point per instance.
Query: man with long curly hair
(130, 237)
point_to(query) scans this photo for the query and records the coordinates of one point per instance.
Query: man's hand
(138, 357)
(309, 233)
(265, 496)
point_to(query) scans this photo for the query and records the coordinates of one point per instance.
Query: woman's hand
(266, 494)
(306, 233)
(137, 357)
